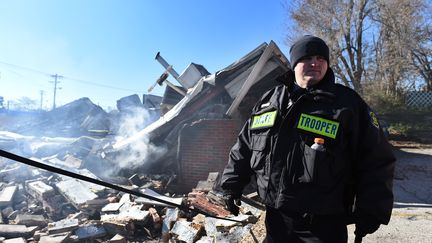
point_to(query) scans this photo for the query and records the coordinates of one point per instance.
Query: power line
(25, 68)
(69, 78)
(102, 85)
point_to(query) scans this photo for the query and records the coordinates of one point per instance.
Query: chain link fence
(418, 99)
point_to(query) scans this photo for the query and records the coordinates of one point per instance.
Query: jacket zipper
(274, 150)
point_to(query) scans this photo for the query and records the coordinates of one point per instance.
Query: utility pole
(56, 77)
(41, 99)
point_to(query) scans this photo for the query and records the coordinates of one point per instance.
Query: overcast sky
(105, 49)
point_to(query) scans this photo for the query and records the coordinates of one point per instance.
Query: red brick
(205, 148)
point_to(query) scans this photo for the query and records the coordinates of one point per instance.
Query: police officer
(318, 153)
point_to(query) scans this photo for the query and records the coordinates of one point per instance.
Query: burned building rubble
(49, 208)
(77, 118)
(186, 149)
(201, 128)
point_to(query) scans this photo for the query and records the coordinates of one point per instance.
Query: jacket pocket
(259, 145)
(317, 167)
(259, 162)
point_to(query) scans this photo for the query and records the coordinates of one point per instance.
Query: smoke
(32, 145)
(140, 150)
(96, 154)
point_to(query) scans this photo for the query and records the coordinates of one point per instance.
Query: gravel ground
(411, 220)
(408, 224)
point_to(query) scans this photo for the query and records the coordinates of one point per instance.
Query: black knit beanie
(308, 45)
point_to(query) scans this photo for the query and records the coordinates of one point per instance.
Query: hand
(232, 203)
(365, 224)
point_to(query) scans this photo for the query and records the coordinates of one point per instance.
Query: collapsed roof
(229, 93)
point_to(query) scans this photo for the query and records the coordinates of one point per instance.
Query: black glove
(232, 203)
(365, 224)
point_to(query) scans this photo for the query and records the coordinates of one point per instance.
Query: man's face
(310, 70)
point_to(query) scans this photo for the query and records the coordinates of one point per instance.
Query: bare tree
(384, 43)
(401, 49)
(343, 24)
(25, 104)
(421, 52)
(422, 61)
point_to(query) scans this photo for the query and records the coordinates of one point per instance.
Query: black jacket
(275, 145)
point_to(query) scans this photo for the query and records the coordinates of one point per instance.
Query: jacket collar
(324, 90)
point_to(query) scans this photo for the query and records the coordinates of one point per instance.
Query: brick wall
(204, 148)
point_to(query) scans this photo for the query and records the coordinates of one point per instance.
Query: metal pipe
(56, 170)
(168, 67)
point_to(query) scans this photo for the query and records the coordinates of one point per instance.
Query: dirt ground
(411, 220)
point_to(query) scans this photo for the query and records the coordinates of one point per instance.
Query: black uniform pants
(286, 227)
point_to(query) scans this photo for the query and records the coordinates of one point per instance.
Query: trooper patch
(318, 125)
(264, 120)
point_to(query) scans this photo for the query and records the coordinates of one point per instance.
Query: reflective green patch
(264, 120)
(374, 119)
(318, 125)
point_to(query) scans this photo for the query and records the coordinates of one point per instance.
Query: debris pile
(45, 207)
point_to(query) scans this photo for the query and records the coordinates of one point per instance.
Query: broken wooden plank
(200, 201)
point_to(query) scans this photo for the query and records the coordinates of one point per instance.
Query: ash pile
(173, 148)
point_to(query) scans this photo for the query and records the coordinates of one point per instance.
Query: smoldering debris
(48, 207)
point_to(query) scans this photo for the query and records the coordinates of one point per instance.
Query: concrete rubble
(104, 215)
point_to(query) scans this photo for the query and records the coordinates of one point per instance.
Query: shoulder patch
(374, 119)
